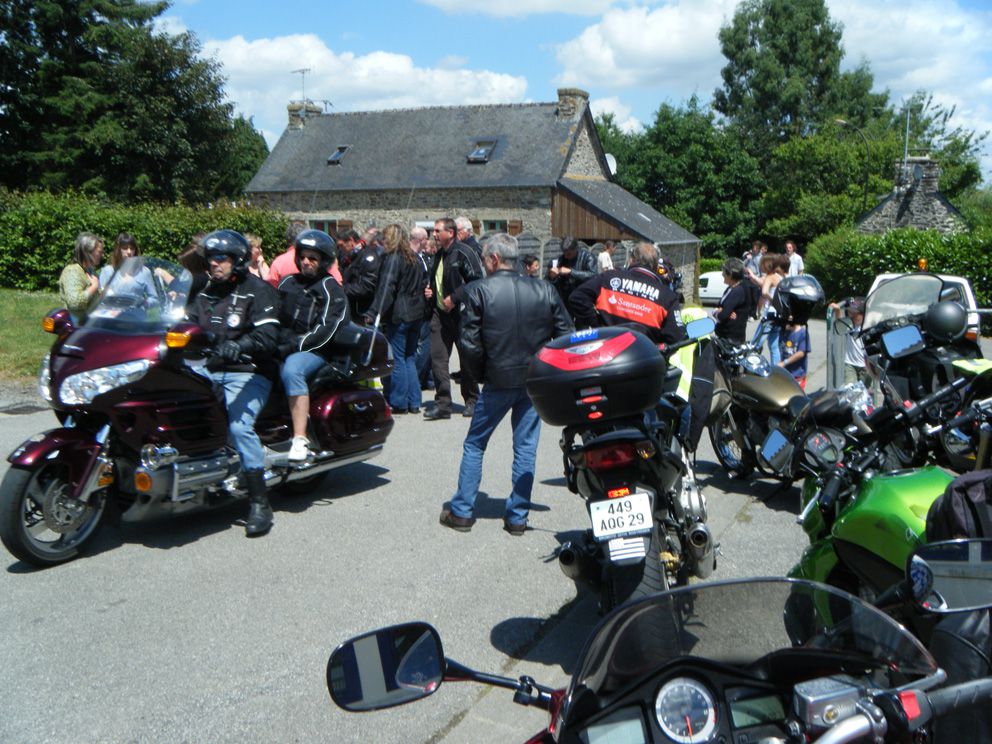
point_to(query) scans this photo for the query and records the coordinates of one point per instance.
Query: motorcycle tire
(39, 524)
(623, 583)
(729, 446)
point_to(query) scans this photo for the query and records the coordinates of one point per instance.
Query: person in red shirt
(284, 264)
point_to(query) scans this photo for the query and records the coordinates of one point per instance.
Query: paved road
(186, 631)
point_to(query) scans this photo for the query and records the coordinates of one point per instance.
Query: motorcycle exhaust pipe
(577, 563)
(701, 550)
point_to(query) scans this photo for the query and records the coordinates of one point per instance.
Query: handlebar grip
(952, 386)
(959, 697)
(964, 419)
(831, 488)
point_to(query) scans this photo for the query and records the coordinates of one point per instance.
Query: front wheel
(636, 580)
(40, 523)
(729, 445)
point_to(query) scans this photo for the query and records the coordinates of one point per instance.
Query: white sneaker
(299, 450)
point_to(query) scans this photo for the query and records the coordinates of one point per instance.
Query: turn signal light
(177, 340)
(142, 482)
(48, 325)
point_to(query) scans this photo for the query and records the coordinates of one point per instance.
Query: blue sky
(631, 55)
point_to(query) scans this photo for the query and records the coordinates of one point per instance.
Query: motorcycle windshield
(144, 295)
(909, 294)
(754, 624)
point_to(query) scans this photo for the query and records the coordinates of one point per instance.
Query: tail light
(610, 457)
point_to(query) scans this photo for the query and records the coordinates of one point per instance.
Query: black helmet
(320, 241)
(946, 321)
(228, 243)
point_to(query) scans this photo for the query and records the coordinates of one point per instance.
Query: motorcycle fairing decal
(587, 356)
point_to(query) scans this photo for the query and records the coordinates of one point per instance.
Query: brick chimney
(299, 111)
(917, 173)
(572, 103)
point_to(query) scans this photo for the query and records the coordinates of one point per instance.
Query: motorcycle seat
(830, 409)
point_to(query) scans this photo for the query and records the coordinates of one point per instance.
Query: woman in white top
(776, 267)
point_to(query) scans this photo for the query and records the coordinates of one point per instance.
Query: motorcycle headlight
(82, 388)
(45, 377)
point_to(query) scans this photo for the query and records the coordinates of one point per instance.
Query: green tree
(111, 107)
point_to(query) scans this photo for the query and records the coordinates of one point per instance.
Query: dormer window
(482, 152)
(335, 157)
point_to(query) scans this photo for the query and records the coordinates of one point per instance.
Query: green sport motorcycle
(863, 518)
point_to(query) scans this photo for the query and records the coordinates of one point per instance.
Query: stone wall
(528, 207)
(583, 163)
(915, 202)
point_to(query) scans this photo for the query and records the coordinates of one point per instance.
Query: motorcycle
(625, 451)
(863, 513)
(754, 400)
(770, 660)
(143, 433)
(934, 307)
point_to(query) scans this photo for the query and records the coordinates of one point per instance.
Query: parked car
(966, 297)
(711, 287)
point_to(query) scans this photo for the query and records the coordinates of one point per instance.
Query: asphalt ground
(186, 631)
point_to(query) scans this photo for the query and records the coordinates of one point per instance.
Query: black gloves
(229, 351)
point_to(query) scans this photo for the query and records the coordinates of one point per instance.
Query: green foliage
(846, 261)
(94, 99)
(22, 341)
(975, 206)
(710, 264)
(38, 230)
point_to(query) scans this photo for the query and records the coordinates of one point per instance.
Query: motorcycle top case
(595, 375)
(796, 297)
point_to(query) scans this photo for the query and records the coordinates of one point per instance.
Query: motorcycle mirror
(699, 328)
(386, 668)
(952, 576)
(902, 342)
(952, 293)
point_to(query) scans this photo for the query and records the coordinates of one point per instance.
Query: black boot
(260, 517)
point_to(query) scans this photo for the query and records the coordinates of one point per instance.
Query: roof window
(482, 152)
(335, 157)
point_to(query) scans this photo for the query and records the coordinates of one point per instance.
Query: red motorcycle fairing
(76, 448)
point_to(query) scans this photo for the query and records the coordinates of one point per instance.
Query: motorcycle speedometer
(686, 711)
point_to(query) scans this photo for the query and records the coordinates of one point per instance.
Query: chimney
(299, 111)
(917, 172)
(571, 103)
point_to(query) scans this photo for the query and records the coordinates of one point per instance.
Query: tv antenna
(303, 82)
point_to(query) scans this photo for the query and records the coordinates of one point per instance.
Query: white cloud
(511, 8)
(621, 113)
(672, 46)
(260, 82)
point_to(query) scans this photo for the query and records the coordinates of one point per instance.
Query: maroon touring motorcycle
(143, 432)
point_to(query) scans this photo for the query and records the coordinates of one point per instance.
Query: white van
(967, 293)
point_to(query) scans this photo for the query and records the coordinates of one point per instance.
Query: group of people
(751, 286)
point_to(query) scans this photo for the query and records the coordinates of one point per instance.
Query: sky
(630, 55)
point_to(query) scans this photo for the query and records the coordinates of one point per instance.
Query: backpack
(964, 509)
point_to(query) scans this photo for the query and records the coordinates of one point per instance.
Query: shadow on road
(774, 494)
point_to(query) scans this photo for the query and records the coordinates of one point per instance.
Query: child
(854, 356)
(795, 351)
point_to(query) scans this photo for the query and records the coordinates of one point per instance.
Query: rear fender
(76, 448)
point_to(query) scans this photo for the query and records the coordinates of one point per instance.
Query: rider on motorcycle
(635, 296)
(241, 311)
(312, 306)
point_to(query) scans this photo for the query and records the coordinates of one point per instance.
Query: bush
(38, 231)
(846, 261)
(710, 264)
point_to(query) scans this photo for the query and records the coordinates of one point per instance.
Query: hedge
(710, 264)
(846, 262)
(38, 231)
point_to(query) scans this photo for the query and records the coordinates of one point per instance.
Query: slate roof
(625, 208)
(421, 148)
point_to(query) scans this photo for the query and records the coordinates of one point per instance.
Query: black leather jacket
(310, 311)
(244, 310)
(399, 298)
(461, 266)
(506, 319)
(361, 276)
(583, 267)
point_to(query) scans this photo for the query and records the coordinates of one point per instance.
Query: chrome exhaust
(701, 550)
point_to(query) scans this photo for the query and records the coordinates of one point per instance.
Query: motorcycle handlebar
(958, 697)
(934, 397)
(831, 488)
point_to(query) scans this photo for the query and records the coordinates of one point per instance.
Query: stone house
(915, 201)
(537, 170)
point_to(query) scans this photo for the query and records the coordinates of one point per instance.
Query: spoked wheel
(625, 582)
(728, 444)
(39, 521)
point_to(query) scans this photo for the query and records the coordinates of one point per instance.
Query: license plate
(629, 515)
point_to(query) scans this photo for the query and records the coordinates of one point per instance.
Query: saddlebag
(350, 420)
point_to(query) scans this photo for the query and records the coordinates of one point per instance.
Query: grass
(22, 342)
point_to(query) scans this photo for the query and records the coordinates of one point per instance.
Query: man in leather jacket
(312, 307)
(241, 311)
(455, 265)
(635, 296)
(575, 266)
(361, 273)
(507, 318)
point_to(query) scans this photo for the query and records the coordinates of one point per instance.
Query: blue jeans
(492, 405)
(299, 367)
(404, 390)
(244, 395)
(773, 333)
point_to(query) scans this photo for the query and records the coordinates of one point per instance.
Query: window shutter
(515, 227)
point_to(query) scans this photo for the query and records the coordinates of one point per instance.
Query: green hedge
(710, 264)
(846, 261)
(38, 231)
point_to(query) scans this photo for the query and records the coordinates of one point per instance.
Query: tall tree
(95, 99)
